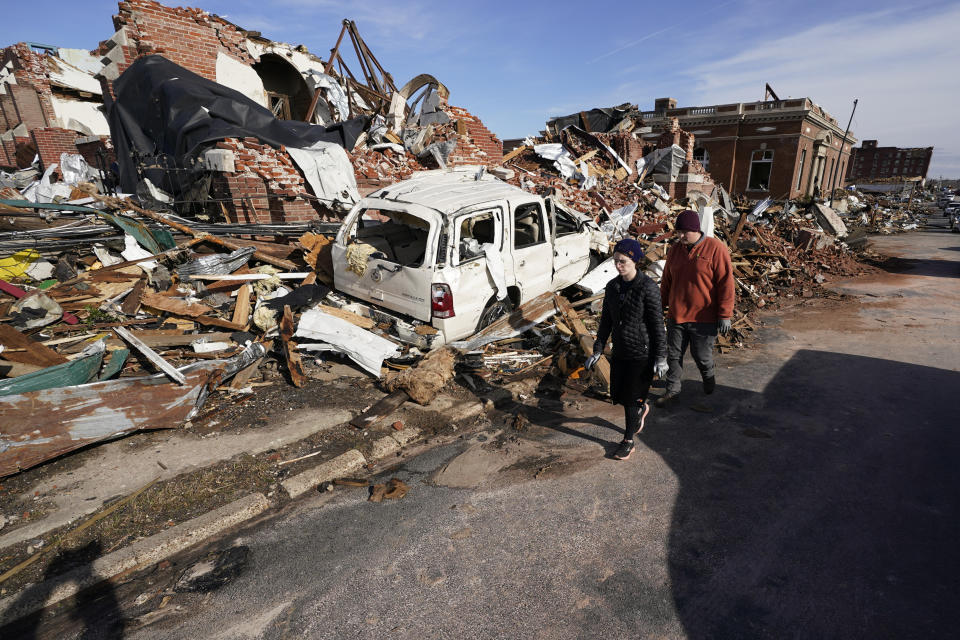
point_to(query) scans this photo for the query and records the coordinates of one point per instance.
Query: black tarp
(598, 120)
(163, 110)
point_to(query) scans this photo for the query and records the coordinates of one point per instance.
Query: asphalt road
(814, 495)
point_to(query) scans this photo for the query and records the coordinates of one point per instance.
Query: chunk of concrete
(219, 160)
(829, 220)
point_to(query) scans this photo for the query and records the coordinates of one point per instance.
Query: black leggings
(632, 418)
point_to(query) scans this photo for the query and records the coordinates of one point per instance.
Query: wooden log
(584, 338)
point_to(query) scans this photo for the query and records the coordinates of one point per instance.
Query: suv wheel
(495, 309)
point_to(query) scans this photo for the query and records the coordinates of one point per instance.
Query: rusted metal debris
(40, 425)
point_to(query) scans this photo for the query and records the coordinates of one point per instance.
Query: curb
(139, 554)
(192, 532)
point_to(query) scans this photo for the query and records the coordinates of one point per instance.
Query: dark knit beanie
(631, 248)
(688, 221)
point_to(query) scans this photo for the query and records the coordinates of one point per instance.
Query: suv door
(468, 273)
(530, 250)
(385, 254)
(571, 247)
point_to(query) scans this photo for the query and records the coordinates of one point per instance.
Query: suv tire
(494, 310)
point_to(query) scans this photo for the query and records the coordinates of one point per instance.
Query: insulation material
(357, 255)
(424, 381)
(134, 251)
(363, 347)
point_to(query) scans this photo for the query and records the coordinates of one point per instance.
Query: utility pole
(833, 173)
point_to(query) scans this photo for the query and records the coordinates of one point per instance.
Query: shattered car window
(473, 232)
(398, 236)
(566, 223)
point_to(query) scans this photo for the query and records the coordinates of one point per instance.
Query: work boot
(709, 384)
(665, 399)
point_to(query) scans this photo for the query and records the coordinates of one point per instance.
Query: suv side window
(472, 232)
(528, 225)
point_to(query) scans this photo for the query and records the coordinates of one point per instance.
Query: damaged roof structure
(174, 217)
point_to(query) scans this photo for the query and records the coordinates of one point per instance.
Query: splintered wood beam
(294, 365)
(584, 337)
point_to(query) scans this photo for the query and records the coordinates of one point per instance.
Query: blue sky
(515, 64)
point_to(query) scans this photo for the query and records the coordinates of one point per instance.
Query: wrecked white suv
(456, 249)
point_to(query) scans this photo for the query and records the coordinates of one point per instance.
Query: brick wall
(478, 145)
(31, 97)
(189, 37)
(266, 187)
(51, 142)
(8, 154)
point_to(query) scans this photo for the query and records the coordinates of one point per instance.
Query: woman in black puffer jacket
(633, 317)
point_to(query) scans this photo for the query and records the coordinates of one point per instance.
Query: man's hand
(723, 326)
(660, 368)
(591, 361)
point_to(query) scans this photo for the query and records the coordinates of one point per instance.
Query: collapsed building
(246, 154)
(241, 178)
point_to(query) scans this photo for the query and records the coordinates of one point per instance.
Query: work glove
(592, 360)
(723, 326)
(660, 367)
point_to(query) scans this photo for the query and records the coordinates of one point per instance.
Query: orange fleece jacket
(697, 284)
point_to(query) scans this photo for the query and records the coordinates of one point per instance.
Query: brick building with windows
(870, 162)
(778, 148)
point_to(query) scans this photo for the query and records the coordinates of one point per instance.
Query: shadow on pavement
(824, 507)
(94, 613)
(923, 267)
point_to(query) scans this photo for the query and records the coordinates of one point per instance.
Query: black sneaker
(709, 384)
(624, 450)
(665, 399)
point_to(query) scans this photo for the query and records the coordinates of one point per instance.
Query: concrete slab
(118, 470)
(338, 467)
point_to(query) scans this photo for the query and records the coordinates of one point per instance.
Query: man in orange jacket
(697, 291)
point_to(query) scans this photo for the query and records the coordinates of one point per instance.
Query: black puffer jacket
(636, 324)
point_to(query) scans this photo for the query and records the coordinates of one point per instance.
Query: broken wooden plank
(513, 154)
(351, 317)
(150, 355)
(243, 376)
(40, 425)
(294, 366)
(523, 319)
(131, 303)
(584, 337)
(380, 410)
(241, 311)
(33, 352)
(736, 232)
(195, 310)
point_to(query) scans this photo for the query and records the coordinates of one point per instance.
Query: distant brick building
(777, 148)
(870, 162)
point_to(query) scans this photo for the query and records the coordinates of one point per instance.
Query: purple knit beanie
(630, 248)
(688, 221)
